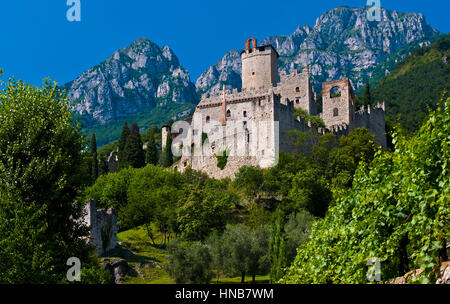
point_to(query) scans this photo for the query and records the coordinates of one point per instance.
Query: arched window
(245, 113)
(297, 89)
(335, 112)
(297, 101)
(228, 113)
(208, 119)
(335, 92)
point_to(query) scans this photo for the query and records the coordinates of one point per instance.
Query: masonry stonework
(253, 124)
(103, 227)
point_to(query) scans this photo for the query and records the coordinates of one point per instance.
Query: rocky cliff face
(342, 43)
(139, 77)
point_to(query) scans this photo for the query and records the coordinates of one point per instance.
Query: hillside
(415, 84)
(342, 43)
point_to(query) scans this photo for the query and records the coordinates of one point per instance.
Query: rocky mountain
(342, 43)
(138, 78)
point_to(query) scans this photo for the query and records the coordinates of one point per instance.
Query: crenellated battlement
(269, 96)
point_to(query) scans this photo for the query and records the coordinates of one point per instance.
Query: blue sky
(37, 41)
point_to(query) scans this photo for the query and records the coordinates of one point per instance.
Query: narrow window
(297, 101)
(228, 113)
(335, 112)
(245, 113)
(207, 119)
(297, 89)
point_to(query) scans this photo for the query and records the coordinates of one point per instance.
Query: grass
(148, 260)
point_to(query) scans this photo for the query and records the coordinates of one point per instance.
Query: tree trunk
(149, 233)
(443, 257)
(243, 278)
(254, 278)
(403, 267)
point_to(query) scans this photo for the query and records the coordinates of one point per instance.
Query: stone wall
(259, 66)
(103, 227)
(373, 118)
(338, 110)
(297, 88)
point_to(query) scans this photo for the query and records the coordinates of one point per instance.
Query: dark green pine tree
(122, 146)
(94, 165)
(166, 155)
(367, 98)
(134, 153)
(151, 155)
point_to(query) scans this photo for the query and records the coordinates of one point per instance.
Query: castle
(250, 127)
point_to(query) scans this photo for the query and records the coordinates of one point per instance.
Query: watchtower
(259, 65)
(338, 103)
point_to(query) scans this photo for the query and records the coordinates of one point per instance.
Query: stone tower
(259, 66)
(338, 104)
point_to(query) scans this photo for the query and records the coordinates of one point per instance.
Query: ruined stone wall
(373, 118)
(338, 110)
(103, 227)
(285, 116)
(297, 88)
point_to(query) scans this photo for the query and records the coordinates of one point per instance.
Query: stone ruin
(103, 227)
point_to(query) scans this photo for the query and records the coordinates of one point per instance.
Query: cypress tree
(94, 166)
(166, 155)
(134, 153)
(151, 155)
(122, 146)
(277, 248)
(367, 98)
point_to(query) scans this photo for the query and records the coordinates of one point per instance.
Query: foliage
(247, 250)
(94, 166)
(151, 154)
(166, 159)
(189, 264)
(133, 154)
(316, 121)
(204, 211)
(277, 248)
(42, 167)
(222, 159)
(367, 98)
(122, 145)
(397, 211)
(415, 85)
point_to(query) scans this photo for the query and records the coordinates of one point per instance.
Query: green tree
(396, 211)
(367, 98)
(189, 264)
(134, 153)
(122, 146)
(95, 169)
(151, 154)
(277, 248)
(41, 155)
(203, 211)
(166, 159)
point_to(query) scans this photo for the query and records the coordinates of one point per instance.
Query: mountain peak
(342, 43)
(139, 77)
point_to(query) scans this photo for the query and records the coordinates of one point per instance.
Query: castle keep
(250, 126)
